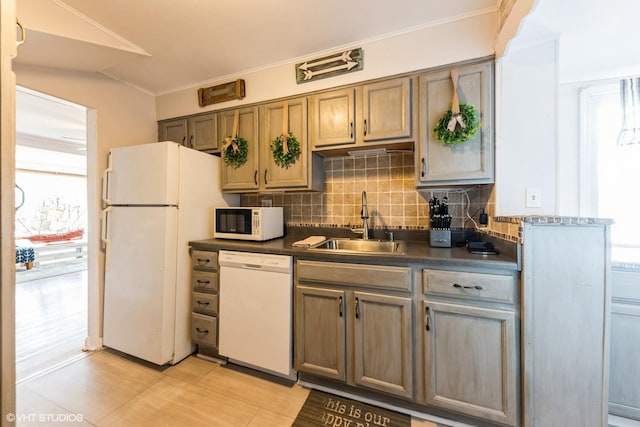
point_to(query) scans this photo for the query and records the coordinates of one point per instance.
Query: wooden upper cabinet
(332, 117)
(173, 130)
(203, 133)
(376, 113)
(198, 132)
(295, 174)
(244, 177)
(470, 162)
(386, 110)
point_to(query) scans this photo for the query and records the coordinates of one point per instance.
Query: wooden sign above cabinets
(221, 93)
(329, 66)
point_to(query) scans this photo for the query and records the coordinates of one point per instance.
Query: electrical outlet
(533, 197)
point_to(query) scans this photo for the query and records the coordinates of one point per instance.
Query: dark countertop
(416, 252)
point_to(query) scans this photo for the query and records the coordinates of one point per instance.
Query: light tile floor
(104, 389)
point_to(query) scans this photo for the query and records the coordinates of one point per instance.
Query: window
(610, 171)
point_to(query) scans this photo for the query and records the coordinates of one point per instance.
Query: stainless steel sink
(361, 246)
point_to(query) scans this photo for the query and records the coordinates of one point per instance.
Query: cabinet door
(296, 174)
(332, 118)
(470, 360)
(245, 177)
(468, 162)
(173, 130)
(387, 110)
(624, 374)
(203, 132)
(383, 344)
(320, 332)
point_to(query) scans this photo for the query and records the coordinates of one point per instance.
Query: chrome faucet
(364, 214)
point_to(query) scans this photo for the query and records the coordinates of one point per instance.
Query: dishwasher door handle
(251, 266)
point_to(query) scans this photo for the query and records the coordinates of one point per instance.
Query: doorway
(51, 232)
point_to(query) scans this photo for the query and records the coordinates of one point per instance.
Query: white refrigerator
(158, 197)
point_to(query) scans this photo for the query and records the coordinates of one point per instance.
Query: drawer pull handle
(350, 129)
(203, 261)
(203, 282)
(202, 331)
(476, 287)
(340, 306)
(357, 308)
(205, 303)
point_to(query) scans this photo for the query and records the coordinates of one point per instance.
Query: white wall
(119, 115)
(526, 114)
(448, 42)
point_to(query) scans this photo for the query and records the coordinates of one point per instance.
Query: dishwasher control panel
(267, 262)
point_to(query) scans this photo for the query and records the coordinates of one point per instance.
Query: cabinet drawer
(371, 276)
(204, 329)
(204, 303)
(204, 282)
(478, 286)
(204, 259)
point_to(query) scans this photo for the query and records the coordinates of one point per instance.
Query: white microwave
(258, 224)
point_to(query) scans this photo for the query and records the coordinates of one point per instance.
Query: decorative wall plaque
(221, 93)
(329, 66)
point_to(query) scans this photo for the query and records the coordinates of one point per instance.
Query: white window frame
(588, 159)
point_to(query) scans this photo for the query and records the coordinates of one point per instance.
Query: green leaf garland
(461, 133)
(236, 158)
(282, 159)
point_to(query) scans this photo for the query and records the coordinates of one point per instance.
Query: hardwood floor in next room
(51, 319)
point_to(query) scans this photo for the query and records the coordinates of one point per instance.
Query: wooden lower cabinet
(320, 332)
(383, 344)
(624, 374)
(381, 347)
(470, 360)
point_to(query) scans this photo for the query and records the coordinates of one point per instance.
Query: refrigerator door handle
(105, 183)
(105, 238)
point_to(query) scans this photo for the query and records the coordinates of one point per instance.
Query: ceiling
(161, 46)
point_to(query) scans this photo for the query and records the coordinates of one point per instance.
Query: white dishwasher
(255, 313)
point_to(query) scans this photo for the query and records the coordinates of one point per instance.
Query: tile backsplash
(393, 201)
